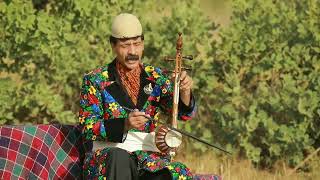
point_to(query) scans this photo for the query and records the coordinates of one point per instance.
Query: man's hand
(185, 87)
(185, 83)
(136, 119)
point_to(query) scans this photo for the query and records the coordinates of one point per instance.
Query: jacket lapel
(146, 88)
(116, 90)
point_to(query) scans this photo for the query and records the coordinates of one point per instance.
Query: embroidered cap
(126, 26)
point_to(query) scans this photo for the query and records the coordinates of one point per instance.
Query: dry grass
(234, 169)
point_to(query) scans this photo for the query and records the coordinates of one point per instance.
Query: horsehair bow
(181, 131)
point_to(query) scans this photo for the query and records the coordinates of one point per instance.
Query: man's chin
(132, 64)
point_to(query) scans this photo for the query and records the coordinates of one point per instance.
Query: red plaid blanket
(45, 152)
(40, 152)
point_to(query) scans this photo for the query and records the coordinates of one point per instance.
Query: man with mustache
(121, 139)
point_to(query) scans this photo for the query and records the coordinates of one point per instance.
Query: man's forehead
(124, 40)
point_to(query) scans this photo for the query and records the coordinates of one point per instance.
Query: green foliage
(265, 96)
(257, 86)
(6, 100)
(49, 46)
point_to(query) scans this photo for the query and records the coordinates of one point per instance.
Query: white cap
(126, 26)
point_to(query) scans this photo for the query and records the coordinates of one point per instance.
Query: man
(107, 94)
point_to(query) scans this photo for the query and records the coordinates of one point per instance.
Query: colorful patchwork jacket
(102, 98)
(102, 115)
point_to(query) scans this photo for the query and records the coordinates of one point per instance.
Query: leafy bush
(266, 84)
(49, 45)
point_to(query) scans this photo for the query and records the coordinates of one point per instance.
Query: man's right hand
(136, 119)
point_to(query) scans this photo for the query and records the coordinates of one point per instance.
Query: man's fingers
(137, 118)
(147, 116)
(137, 113)
(187, 83)
(183, 75)
(140, 118)
(138, 121)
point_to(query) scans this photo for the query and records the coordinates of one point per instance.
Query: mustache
(132, 57)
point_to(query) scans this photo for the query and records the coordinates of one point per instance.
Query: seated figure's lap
(103, 162)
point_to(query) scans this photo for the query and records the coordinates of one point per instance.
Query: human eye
(137, 43)
(125, 45)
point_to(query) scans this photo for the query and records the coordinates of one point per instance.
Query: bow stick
(182, 132)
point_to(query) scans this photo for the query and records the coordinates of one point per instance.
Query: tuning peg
(187, 68)
(183, 68)
(167, 58)
(188, 57)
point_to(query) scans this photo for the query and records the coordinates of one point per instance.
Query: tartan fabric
(40, 152)
(46, 152)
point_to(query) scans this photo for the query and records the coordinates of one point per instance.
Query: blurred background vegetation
(256, 71)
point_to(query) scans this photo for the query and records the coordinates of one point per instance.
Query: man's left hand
(185, 87)
(185, 83)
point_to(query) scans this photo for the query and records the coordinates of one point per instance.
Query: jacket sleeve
(166, 102)
(91, 115)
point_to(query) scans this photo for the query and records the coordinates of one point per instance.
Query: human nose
(132, 49)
